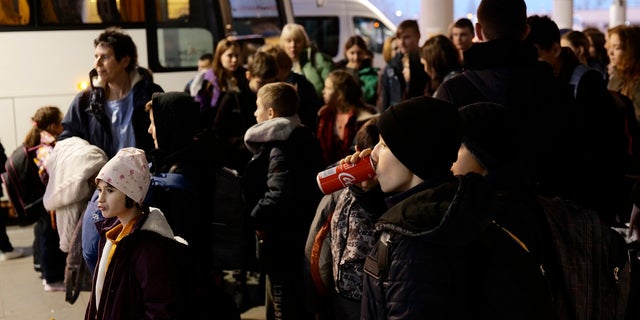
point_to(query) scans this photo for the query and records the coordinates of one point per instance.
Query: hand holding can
(346, 174)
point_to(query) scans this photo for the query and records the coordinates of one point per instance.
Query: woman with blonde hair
(389, 48)
(307, 59)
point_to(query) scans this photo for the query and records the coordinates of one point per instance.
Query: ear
(479, 32)
(527, 29)
(580, 51)
(271, 113)
(125, 61)
(556, 49)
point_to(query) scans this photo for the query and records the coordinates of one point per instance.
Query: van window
(372, 31)
(324, 32)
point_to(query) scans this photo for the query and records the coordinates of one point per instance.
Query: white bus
(46, 46)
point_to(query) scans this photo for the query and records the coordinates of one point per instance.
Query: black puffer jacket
(280, 189)
(447, 260)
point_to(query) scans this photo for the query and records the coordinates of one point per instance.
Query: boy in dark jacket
(281, 194)
(419, 268)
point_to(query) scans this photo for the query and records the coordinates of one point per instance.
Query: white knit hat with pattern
(128, 171)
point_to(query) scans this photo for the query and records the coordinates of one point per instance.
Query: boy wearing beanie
(416, 270)
(139, 272)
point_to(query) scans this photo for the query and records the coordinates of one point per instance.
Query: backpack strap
(576, 75)
(377, 266)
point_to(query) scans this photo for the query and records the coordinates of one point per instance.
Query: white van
(330, 23)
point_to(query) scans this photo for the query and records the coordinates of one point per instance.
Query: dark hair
(129, 203)
(347, 84)
(368, 135)
(121, 43)
(597, 41)
(578, 39)
(206, 56)
(502, 19)
(263, 65)
(406, 25)
(441, 56)
(463, 23)
(355, 41)
(42, 119)
(544, 31)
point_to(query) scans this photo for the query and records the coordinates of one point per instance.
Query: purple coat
(147, 277)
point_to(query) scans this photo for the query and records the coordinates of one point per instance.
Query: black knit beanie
(424, 134)
(486, 133)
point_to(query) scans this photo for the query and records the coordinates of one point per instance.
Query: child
(416, 269)
(342, 115)
(140, 270)
(341, 236)
(48, 258)
(281, 194)
(358, 61)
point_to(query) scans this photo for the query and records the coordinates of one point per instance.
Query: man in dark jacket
(599, 134)
(404, 76)
(504, 69)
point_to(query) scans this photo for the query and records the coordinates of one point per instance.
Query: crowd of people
(466, 132)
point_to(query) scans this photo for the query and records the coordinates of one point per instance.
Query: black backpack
(25, 188)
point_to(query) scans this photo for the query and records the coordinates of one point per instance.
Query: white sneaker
(54, 287)
(16, 253)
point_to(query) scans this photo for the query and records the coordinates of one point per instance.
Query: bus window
(324, 32)
(181, 47)
(14, 13)
(372, 31)
(257, 17)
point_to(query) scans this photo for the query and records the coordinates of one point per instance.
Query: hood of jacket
(276, 129)
(156, 222)
(451, 214)
(176, 116)
(71, 165)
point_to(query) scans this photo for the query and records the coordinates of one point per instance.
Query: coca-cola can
(344, 175)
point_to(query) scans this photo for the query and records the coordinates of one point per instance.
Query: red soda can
(344, 175)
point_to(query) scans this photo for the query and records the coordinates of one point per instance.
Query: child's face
(111, 201)
(355, 55)
(408, 41)
(328, 92)
(466, 163)
(392, 175)
(262, 113)
(230, 59)
(255, 82)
